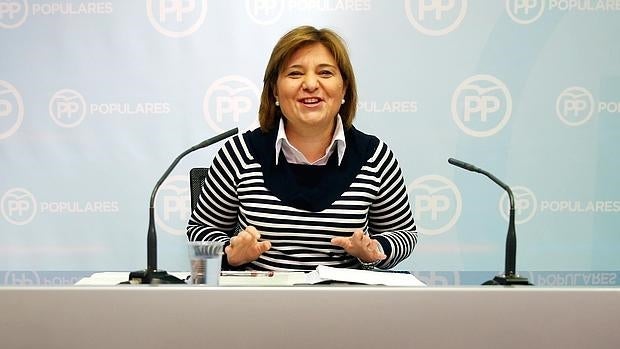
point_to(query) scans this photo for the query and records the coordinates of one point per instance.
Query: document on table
(367, 277)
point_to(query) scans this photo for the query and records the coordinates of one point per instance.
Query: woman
(306, 188)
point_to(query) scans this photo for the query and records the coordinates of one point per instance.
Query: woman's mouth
(310, 101)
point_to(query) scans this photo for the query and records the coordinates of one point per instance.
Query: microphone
(152, 275)
(510, 277)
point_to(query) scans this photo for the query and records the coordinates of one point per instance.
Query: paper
(262, 278)
(368, 277)
(110, 278)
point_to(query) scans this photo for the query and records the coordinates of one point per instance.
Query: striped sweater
(244, 187)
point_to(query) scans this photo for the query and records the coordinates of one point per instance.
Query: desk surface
(309, 317)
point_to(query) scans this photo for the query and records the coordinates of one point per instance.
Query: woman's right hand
(245, 247)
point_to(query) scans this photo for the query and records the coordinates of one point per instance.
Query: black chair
(197, 177)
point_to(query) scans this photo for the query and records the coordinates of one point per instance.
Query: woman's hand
(245, 247)
(361, 246)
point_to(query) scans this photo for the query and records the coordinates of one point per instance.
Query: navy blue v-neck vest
(310, 187)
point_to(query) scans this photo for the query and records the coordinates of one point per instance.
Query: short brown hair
(268, 113)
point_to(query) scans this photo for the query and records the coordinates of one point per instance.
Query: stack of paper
(367, 277)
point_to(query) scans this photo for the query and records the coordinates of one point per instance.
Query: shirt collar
(292, 155)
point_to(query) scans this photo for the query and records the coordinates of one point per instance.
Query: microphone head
(462, 164)
(215, 139)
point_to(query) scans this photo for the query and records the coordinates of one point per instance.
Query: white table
(308, 317)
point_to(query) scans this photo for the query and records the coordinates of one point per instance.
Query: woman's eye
(294, 73)
(326, 73)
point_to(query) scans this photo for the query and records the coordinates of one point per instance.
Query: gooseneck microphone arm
(510, 276)
(152, 235)
(152, 274)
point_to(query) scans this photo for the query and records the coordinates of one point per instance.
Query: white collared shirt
(294, 156)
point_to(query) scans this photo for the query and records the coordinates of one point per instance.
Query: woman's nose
(310, 82)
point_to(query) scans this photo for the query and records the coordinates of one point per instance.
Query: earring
(343, 101)
(277, 103)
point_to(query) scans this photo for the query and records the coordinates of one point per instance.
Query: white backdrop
(98, 97)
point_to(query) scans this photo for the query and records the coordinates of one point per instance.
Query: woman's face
(310, 88)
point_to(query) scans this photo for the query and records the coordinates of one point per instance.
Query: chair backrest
(197, 177)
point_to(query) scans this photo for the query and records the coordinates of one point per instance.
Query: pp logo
(436, 17)
(176, 18)
(229, 102)
(481, 105)
(440, 278)
(437, 204)
(22, 278)
(67, 108)
(13, 13)
(525, 205)
(18, 206)
(173, 205)
(264, 12)
(11, 109)
(525, 11)
(575, 106)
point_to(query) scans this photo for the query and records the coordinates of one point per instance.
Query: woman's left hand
(361, 246)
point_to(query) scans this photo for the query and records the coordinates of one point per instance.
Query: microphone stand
(510, 277)
(152, 275)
